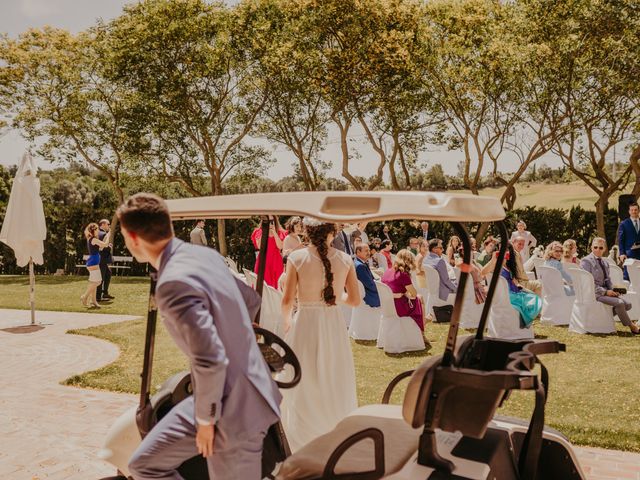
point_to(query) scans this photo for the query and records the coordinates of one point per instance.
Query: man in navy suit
(234, 399)
(628, 236)
(363, 272)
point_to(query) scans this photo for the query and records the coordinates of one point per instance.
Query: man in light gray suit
(599, 268)
(235, 400)
(435, 260)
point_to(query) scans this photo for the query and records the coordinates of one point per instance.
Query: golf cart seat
(458, 401)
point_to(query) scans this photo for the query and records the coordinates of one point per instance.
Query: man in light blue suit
(235, 400)
(629, 235)
(435, 260)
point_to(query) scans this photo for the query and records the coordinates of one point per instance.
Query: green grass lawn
(593, 395)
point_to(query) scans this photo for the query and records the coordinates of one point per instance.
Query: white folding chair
(365, 320)
(231, 263)
(556, 305)
(504, 320)
(588, 315)
(433, 287)
(617, 275)
(533, 263)
(396, 334)
(633, 291)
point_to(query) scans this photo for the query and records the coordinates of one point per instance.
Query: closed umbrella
(24, 228)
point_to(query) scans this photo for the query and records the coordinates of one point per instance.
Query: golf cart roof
(343, 207)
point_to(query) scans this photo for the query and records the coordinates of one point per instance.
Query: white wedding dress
(319, 338)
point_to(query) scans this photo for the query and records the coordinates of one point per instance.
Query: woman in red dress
(274, 267)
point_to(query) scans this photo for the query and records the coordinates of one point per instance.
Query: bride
(317, 276)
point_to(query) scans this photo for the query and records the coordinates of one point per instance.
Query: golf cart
(446, 427)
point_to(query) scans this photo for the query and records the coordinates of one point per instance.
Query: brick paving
(49, 431)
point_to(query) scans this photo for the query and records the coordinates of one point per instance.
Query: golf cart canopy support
(344, 207)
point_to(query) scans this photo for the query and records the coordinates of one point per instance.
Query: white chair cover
(250, 277)
(633, 291)
(231, 263)
(471, 311)
(533, 263)
(617, 276)
(396, 334)
(365, 320)
(588, 315)
(504, 320)
(382, 262)
(433, 287)
(556, 305)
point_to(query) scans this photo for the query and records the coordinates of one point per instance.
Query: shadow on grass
(367, 343)
(417, 353)
(61, 279)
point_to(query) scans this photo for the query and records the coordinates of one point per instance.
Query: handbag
(443, 313)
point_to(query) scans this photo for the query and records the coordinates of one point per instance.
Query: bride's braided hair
(318, 237)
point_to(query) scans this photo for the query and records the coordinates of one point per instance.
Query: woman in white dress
(317, 276)
(529, 240)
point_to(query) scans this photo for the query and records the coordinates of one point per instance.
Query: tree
(59, 96)
(185, 60)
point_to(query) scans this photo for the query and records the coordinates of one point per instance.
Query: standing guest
(452, 249)
(435, 260)
(552, 257)
(356, 239)
(423, 251)
(614, 255)
(363, 272)
(361, 226)
(629, 236)
(385, 249)
(197, 235)
(413, 246)
(570, 251)
(89, 298)
(599, 268)
(208, 313)
(377, 242)
(425, 230)
(487, 252)
(535, 286)
(318, 276)
(106, 259)
(529, 240)
(385, 233)
(274, 266)
(293, 240)
(405, 297)
(342, 240)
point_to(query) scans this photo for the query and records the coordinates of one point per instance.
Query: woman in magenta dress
(398, 279)
(274, 267)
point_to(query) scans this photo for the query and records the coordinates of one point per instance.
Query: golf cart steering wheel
(277, 361)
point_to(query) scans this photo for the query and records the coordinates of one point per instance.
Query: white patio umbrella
(24, 228)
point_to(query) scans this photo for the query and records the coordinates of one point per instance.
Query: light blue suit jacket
(447, 286)
(205, 311)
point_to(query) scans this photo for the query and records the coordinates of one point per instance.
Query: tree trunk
(601, 207)
(222, 237)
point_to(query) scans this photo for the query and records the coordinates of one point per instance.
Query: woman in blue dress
(94, 244)
(527, 303)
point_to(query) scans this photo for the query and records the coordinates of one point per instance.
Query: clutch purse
(620, 290)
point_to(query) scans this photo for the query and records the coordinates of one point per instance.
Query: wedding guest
(398, 279)
(361, 227)
(413, 245)
(529, 239)
(435, 260)
(89, 298)
(274, 266)
(293, 240)
(385, 249)
(552, 257)
(452, 249)
(570, 251)
(106, 259)
(364, 274)
(425, 230)
(535, 286)
(197, 235)
(487, 252)
(423, 251)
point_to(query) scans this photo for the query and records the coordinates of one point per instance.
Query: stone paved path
(48, 431)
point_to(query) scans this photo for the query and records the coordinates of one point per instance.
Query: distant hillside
(562, 195)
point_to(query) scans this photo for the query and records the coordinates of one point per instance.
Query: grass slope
(593, 385)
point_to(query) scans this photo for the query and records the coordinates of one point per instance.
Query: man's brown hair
(146, 215)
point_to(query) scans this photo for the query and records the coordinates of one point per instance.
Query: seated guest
(363, 272)
(478, 286)
(435, 260)
(552, 256)
(342, 240)
(570, 251)
(599, 268)
(385, 249)
(413, 246)
(535, 286)
(524, 301)
(452, 249)
(398, 279)
(423, 251)
(485, 256)
(356, 239)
